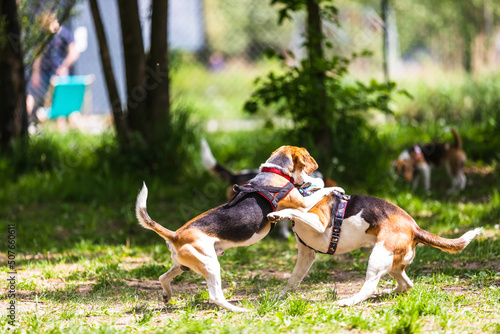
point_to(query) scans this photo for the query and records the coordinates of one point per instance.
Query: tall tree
(316, 55)
(107, 68)
(385, 43)
(13, 117)
(147, 75)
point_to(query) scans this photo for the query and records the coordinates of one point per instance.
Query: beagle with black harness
(240, 222)
(340, 224)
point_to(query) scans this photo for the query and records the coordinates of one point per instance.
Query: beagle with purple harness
(365, 221)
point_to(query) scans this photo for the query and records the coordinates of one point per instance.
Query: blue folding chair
(66, 94)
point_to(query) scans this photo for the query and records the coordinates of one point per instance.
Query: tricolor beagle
(367, 222)
(419, 159)
(240, 222)
(242, 177)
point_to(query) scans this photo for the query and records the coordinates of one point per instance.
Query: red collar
(277, 171)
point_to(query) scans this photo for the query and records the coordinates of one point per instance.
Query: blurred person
(57, 59)
(217, 61)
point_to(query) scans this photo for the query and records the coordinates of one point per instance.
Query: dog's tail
(447, 245)
(212, 165)
(146, 221)
(458, 140)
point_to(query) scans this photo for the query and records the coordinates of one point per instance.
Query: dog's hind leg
(379, 264)
(166, 279)
(403, 281)
(305, 260)
(211, 272)
(204, 261)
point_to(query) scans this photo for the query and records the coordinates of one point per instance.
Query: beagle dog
(340, 224)
(240, 222)
(242, 177)
(419, 159)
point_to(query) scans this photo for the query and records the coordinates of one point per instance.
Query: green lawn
(84, 264)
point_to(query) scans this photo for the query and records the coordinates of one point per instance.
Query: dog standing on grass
(241, 222)
(339, 224)
(419, 159)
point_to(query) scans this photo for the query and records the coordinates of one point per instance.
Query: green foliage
(296, 95)
(326, 109)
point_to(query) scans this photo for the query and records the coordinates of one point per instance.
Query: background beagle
(241, 222)
(367, 222)
(418, 160)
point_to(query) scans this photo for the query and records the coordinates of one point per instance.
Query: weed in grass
(27, 284)
(483, 278)
(67, 312)
(195, 302)
(491, 328)
(407, 323)
(296, 306)
(331, 294)
(267, 303)
(358, 321)
(50, 272)
(142, 314)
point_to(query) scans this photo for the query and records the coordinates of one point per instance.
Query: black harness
(264, 191)
(338, 211)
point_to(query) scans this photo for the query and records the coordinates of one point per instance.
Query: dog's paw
(275, 216)
(166, 297)
(347, 302)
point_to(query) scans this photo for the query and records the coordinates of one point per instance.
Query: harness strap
(264, 191)
(338, 212)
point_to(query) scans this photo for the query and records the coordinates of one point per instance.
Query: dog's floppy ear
(302, 159)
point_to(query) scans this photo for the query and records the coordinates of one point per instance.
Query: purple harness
(338, 212)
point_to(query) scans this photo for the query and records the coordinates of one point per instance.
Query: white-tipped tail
(142, 197)
(143, 216)
(468, 236)
(207, 157)
(447, 245)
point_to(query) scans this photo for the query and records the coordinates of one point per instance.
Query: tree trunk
(385, 45)
(467, 30)
(467, 55)
(157, 76)
(323, 137)
(13, 117)
(134, 58)
(107, 68)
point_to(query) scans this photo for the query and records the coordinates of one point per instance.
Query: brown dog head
(294, 160)
(404, 168)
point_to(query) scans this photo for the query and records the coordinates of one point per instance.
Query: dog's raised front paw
(274, 216)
